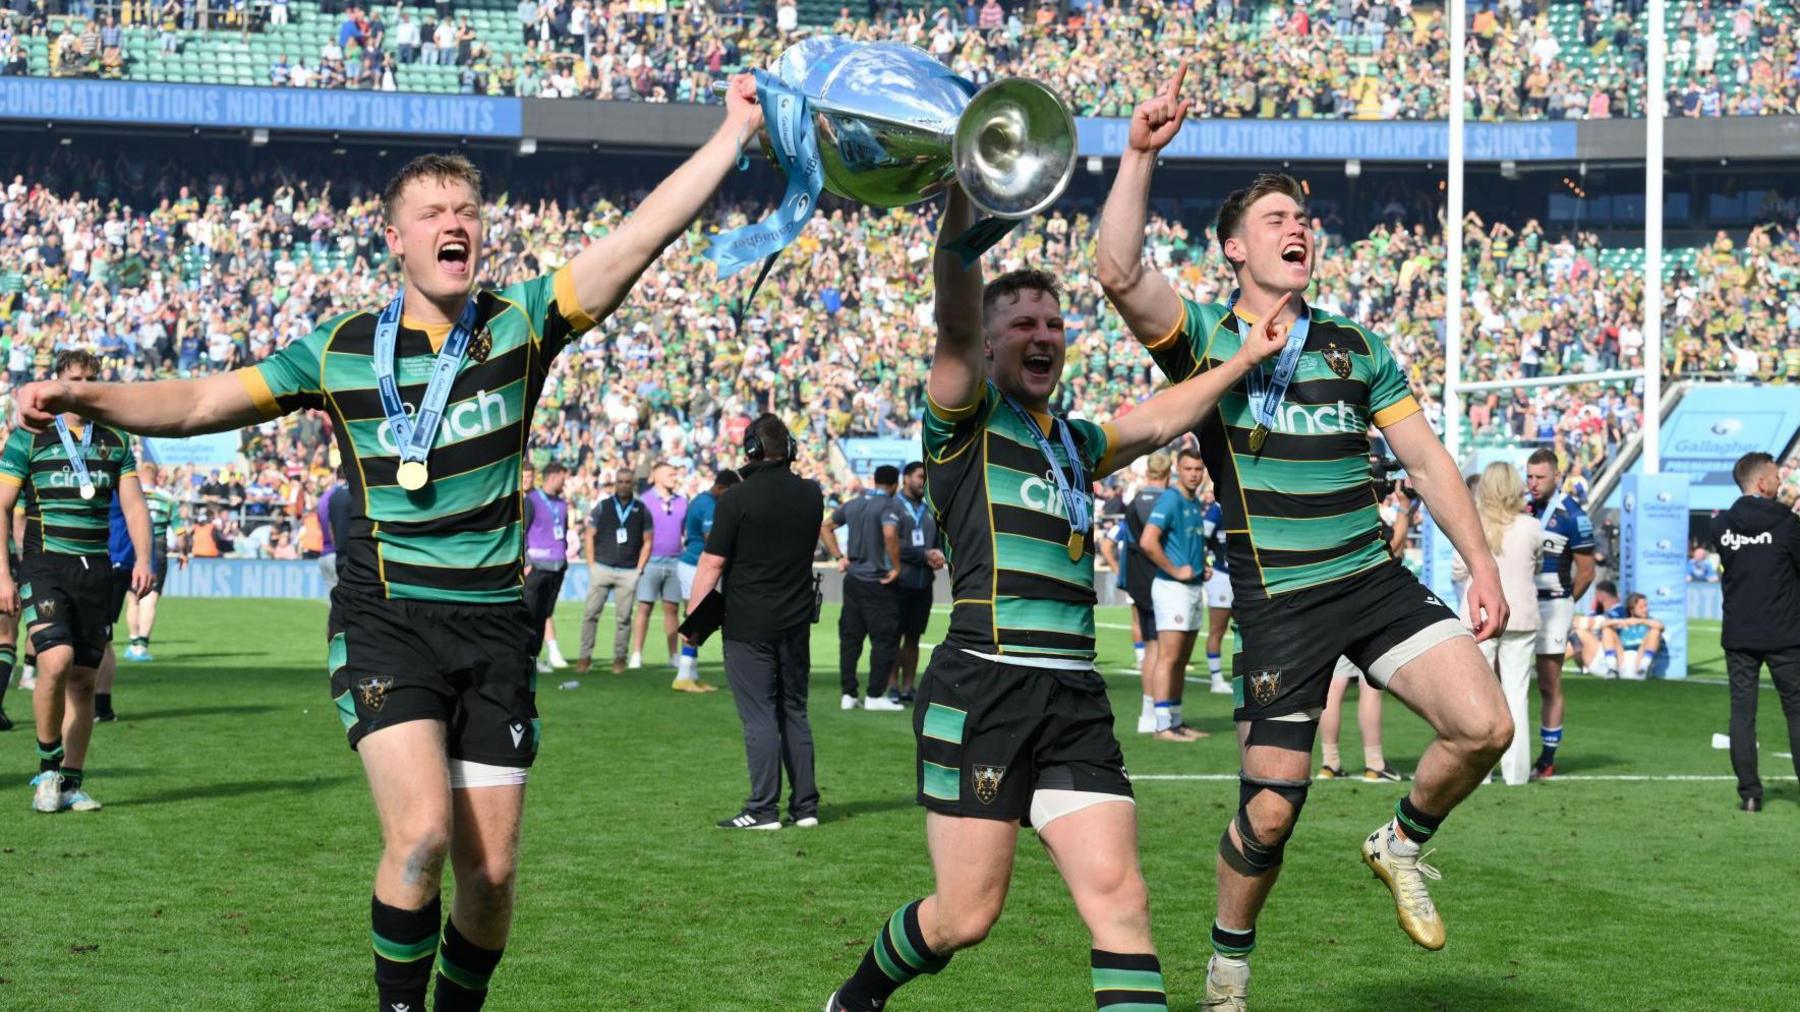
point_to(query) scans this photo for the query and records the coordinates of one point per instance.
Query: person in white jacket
(1515, 539)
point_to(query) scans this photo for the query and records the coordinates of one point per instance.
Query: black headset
(753, 447)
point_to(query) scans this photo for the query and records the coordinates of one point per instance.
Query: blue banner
(1653, 530)
(246, 578)
(1338, 140)
(796, 149)
(33, 98)
(1714, 425)
(221, 449)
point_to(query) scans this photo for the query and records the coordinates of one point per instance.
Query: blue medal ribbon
(1267, 393)
(415, 434)
(77, 457)
(1074, 500)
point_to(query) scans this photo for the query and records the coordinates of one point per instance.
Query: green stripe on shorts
(337, 655)
(945, 723)
(942, 782)
(346, 709)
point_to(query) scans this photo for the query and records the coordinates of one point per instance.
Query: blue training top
(1183, 524)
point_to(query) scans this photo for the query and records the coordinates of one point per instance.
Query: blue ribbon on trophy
(796, 149)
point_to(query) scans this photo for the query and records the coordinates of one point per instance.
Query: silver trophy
(895, 127)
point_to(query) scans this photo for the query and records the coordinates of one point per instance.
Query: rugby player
(1012, 722)
(1563, 578)
(430, 644)
(1311, 579)
(74, 465)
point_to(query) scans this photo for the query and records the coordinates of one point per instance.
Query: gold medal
(1258, 436)
(87, 492)
(413, 475)
(1077, 546)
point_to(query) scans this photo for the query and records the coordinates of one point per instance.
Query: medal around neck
(416, 433)
(413, 475)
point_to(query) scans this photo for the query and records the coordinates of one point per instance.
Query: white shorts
(1218, 590)
(1177, 605)
(685, 573)
(1555, 616)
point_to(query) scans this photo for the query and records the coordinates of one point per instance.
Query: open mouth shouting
(1297, 255)
(454, 258)
(1038, 364)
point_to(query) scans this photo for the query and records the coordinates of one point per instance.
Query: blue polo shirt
(1183, 523)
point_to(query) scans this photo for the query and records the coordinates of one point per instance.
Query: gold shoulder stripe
(563, 283)
(953, 414)
(1169, 338)
(1405, 407)
(258, 389)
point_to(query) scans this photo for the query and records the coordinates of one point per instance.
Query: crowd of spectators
(229, 268)
(1365, 59)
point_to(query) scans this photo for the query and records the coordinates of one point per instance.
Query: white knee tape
(464, 773)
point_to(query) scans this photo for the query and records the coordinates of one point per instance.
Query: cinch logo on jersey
(485, 412)
(1042, 494)
(1734, 541)
(66, 478)
(1315, 419)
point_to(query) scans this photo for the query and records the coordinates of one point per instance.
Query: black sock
(1419, 826)
(404, 942)
(102, 702)
(1127, 980)
(9, 656)
(463, 969)
(1233, 944)
(71, 778)
(898, 954)
(50, 755)
(140, 641)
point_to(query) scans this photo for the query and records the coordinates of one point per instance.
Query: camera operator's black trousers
(768, 679)
(1744, 669)
(872, 609)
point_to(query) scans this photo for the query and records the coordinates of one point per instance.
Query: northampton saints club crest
(987, 782)
(374, 690)
(1339, 360)
(481, 345)
(1265, 685)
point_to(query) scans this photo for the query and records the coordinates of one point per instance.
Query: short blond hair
(436, 167)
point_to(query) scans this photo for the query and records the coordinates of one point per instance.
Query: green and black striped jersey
(460, 538)
(1006, 530)
(58, 521)
(1302, 512)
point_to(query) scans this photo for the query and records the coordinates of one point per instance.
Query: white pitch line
(1620, 777)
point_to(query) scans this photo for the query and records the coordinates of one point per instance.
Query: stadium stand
(1315, 58)
(233, 267)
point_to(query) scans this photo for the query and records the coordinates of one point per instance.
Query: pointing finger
(1175, 82)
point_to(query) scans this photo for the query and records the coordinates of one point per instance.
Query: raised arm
(1162, 419)
(958, 363)
(164, 408)
(605, 271)
(1142, 296)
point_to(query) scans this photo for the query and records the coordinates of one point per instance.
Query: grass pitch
(231, 868)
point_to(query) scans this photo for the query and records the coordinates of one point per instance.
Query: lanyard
(77, 458)
(918, 515)
(1550, 508)
(623, 513)
(1266, 395)
(1073, 499)
(413, 439)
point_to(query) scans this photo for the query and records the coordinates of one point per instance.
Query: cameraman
(761, 544)
(1759, 543)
